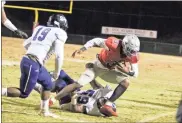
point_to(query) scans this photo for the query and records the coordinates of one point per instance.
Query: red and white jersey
(112, 52)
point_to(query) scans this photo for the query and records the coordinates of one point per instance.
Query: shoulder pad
(61, 35)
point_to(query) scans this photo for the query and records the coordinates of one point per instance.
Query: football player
(87, 102)
(107, 65)
(90, 102)
(44, 41)
(8, 24)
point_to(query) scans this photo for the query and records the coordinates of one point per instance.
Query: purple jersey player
(81, 101)
(45, 40)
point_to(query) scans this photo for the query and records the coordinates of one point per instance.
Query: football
(109, 110)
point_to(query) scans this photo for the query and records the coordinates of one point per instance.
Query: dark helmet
(58, 20)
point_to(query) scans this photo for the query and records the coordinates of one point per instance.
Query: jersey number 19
(41, 34)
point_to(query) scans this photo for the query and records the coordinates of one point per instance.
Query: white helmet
(131, 44)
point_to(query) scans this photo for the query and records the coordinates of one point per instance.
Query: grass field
(152, 97)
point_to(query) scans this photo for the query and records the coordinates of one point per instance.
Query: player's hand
(78, 51)
(21, 33)
(74, 53)
(52, 76)
(55, 75)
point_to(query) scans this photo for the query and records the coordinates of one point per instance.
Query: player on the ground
(63, 80)
(44, 41)
(90, 102)
(8, 24)
(107, 65)
(87, 102)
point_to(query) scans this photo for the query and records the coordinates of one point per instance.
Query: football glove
(21, 33)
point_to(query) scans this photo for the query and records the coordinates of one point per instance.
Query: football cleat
(48, 114)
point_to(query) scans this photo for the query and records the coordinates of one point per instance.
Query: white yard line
(150, 119)
(11, 63)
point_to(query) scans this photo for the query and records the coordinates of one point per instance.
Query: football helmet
(130, 45)
(58, 20)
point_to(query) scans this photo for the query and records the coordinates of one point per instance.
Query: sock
(120, 89)
(44, 106)
(9, 25)
(4, 92)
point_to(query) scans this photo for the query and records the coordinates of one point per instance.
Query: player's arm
(49, 54)
(100, 42)
(126, 70)
(73, 106)
(27, 43)
(59, 53)
(59, 57)
(8, 24)
(95, 85)
(133, 71)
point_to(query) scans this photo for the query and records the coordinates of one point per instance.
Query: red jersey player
(107, 66)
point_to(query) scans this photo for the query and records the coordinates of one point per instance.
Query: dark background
(89, 16)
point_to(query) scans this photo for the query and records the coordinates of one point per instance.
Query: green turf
(142, 100)
(152, 97)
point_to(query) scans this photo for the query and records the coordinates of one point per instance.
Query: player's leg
(85, 78)
(57, 85)
(119, 90)
(60, 84)
(44, 79)
(116, 78)
(123, 83)
(95, 85)
(64, 76)
(29, 75)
